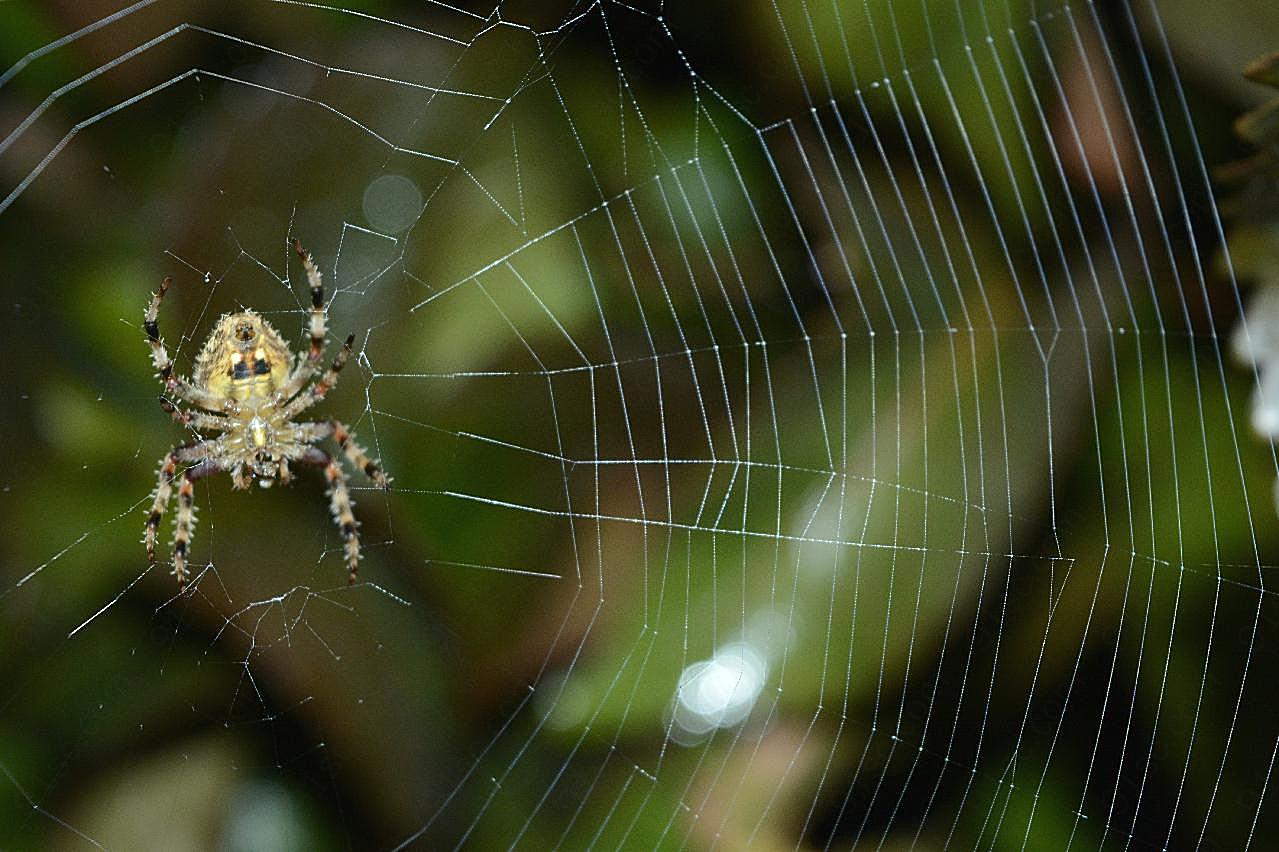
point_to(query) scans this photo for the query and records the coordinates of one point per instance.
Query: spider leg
(318, 322)
(164, 489)
(355, 454)
(302, 371)
(159, 355)
(340, 505)
(212, 422)
(284, 476)
(174, 384)
(163, 493)
(308, 363)
(198, 419)
(316, 392)
(178, 415)
(185, 526)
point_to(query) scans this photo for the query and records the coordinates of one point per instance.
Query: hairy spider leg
(341, 507)
(355, 454)
(303, 371)
(317, 327)
(174, 384)
(308, 364)
(316, 392)
(186, 506)
(176, 413)
(183, 530)
(201, 420)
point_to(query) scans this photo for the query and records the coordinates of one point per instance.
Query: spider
(247, 386)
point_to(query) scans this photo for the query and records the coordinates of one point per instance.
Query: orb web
(843, 455)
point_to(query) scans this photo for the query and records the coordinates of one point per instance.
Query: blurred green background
(879, 345)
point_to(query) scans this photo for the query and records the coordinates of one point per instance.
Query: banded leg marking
(317, 391)
(341, 507)
(318, 322)
(183, 530)
(150, 321)
(357, 455)
(174, 384)
(185, 519)
(163, 493)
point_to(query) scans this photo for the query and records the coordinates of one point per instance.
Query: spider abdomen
(245, 359)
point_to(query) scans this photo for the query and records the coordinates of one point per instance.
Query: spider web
(843, 455)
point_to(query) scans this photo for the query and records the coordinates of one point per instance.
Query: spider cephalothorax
(248, 387)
